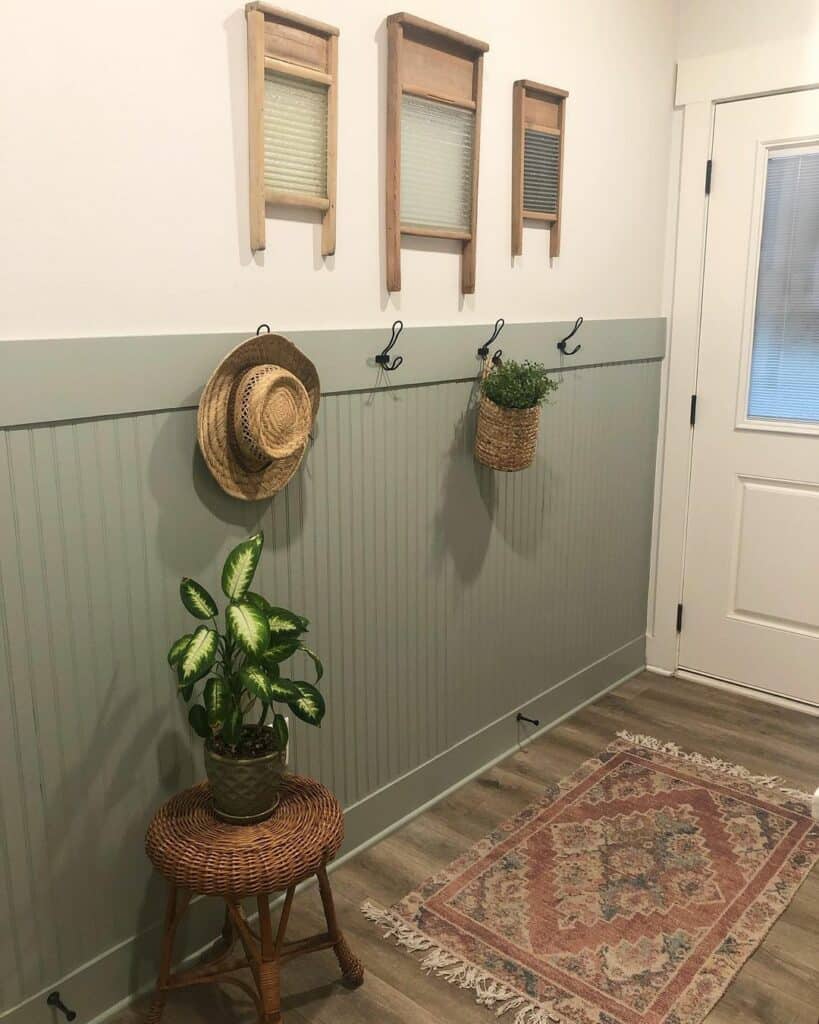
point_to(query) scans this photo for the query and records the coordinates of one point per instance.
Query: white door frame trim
(701, 83)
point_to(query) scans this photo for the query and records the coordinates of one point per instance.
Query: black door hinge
(679, 618)
(693, 413)
(708, 177)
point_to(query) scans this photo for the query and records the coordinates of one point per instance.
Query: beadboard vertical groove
(442, 597)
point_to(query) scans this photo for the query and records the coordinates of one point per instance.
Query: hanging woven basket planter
(506, 439)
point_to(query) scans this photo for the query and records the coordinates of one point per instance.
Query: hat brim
(214, 419)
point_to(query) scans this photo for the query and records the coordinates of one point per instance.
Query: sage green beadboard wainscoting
(443, 598)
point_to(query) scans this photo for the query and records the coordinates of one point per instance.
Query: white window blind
(785, 360)
(436, 164)
(295, 135)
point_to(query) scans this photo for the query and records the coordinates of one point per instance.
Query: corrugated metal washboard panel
(295, 135)
(436, 164)
(541, 171)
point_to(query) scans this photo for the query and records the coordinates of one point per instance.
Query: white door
(751, 583)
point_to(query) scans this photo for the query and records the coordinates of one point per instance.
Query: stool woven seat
(195, 850)
(200, 854)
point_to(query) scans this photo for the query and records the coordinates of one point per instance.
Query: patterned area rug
(632, 893)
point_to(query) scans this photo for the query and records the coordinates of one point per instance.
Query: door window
(784, 381)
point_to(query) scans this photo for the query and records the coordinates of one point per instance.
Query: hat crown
(272, 414)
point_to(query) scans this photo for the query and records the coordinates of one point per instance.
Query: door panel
(751, 582)
(776, 579)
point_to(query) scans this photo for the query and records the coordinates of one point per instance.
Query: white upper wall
(707, 27)
(124, 199)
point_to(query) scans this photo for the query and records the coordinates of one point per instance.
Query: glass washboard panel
(541, 171)
(295, 135)
(436, 164)
(785, 360)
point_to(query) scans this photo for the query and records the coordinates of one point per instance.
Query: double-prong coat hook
(483, 351)
(562, 343)
(383, 358)
(55, 1001)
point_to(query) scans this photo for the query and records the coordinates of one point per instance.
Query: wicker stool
(198, 853)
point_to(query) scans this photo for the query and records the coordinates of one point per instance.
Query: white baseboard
(746, 691)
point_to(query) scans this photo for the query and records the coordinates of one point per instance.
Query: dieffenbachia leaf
(259, 602)
(178, 649)
(186, 689)
(198, 718)
(284, 623)
(196, 599)
(248, 626)
(199, 655)
(280, 731)
(256, 681)
(315, 659)
(270, 665)
(309, 705)
(279, 650)
(284, 690)
(240, 566)
(218, 702)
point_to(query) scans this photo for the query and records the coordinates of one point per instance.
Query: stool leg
(175, 907)
(351, 967)
(228, 933)
(268, 968)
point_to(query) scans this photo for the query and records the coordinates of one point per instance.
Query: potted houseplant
(237, 673)
(509, 413)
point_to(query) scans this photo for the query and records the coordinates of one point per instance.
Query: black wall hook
(383, 358)
(55, 1001)
(259, 329)
(523, 718)
(483, 351)
(562, 343)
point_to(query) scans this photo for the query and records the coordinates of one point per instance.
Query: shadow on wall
(534, 489)
(134, 767)
(236, 63)
(380, 38)
(476, 500)
(173, 751)
(176, 468)
(473, 500)
(468, 502)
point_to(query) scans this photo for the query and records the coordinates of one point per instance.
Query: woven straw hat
(255, 416)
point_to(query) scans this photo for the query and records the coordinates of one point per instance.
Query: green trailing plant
(239, 667)
(518, 385)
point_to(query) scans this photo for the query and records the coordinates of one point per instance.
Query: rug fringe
(488, 990)
(716, 764)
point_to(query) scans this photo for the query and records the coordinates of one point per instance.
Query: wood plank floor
(778, 985)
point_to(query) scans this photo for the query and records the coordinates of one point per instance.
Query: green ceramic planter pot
(245, 790)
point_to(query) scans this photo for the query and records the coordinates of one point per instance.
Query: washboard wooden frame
(305, 51)
(541, 111)
(436, 64)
